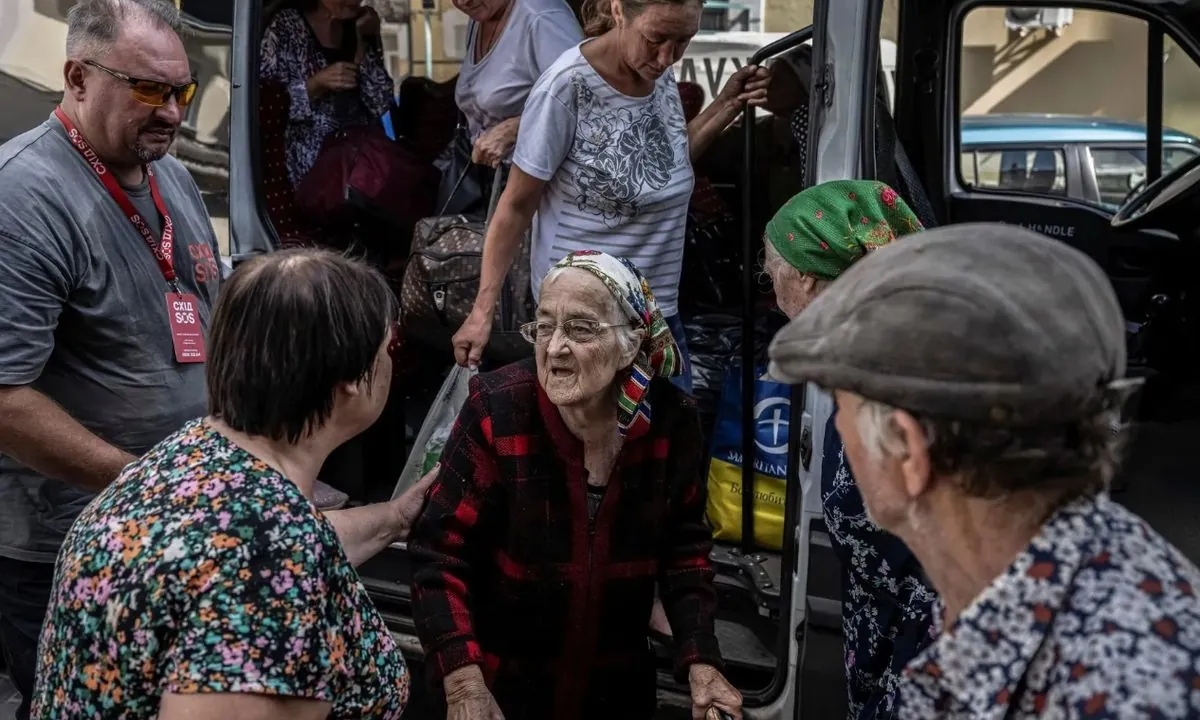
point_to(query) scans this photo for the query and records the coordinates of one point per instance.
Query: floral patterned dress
(886, 601)
(201, 570)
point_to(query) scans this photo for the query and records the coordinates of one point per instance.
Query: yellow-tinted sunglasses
(152, 92)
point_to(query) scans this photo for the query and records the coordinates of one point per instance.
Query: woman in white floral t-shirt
(604, 158)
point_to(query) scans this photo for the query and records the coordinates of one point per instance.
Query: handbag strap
(499, 180)
(457, 184)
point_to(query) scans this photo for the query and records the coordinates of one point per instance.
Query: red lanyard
(162, 248)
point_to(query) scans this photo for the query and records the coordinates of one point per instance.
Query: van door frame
(842, 111)
(250, 231)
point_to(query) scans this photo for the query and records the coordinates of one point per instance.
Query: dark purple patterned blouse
(290, 56)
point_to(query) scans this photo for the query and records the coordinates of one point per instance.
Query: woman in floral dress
(329, 56)
(204, 583)
(886, 599)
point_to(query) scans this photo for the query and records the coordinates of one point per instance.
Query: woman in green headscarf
(822, 231)
(886, 600)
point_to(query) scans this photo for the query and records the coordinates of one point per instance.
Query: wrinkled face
(574, 373)
(342, 9)
(657, 37)
(122, 129)
(482, 10)
(793, 291)
(886, 482)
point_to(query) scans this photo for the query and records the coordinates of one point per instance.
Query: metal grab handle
(782, 45)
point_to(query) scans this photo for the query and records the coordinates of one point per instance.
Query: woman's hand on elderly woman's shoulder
(748, 85)
(712, 692)
(494, 145)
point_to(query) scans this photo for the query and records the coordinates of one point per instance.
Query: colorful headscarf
(658, 355)
(825, 229)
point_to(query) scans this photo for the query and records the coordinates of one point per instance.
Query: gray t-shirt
(495, 88)
(619, 176)
(83, 316)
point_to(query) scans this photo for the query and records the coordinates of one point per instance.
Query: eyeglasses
(580, 331)
(152, 92)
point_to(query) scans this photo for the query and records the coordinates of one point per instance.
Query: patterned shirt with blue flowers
(1097, 618)
(203, 570)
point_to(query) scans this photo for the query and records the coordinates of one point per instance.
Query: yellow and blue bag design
(772, 414)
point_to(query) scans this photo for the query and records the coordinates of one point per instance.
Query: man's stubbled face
(122, 129)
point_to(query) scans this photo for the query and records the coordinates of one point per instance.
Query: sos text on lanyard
(183, 309)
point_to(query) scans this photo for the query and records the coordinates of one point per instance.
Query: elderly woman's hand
(467, 696)
(711, 692)
(748, 84)
(495, 144)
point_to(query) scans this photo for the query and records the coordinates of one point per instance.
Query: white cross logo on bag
(772, 413)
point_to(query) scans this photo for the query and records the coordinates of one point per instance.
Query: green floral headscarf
(825, 229)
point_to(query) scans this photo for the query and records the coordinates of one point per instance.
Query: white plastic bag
(437, 425)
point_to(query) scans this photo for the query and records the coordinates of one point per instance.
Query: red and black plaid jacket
(509, 575)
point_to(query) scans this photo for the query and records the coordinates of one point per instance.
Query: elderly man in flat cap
(978, 372)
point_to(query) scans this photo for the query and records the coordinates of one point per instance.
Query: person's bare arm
(748, 85)
(514, 213)
(709, 124)
(365, 531)
(243, 706)
(39, 434)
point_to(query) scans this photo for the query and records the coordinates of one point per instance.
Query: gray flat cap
(981, 322)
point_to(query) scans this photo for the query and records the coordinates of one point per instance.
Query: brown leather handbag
(442, 279)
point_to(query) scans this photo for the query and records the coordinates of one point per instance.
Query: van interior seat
(273, 107)
(1044, 172)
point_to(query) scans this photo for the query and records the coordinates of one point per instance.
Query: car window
(1039, 77)
(1119, 170)
(1040, 170)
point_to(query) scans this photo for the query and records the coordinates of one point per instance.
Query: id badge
(183, 312)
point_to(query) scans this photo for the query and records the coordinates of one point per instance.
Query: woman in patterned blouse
(328, 55)
(204, 583)
(561, 502)
(886, 601)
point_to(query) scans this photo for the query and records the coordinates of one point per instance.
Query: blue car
(1093, 160)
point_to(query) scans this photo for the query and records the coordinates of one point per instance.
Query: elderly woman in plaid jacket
(570, 486)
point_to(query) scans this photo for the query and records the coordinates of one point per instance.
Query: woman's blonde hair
(598, 15)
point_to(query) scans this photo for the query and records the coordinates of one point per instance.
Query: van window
(1054, 101)
(1119, 170)
(1040, 170)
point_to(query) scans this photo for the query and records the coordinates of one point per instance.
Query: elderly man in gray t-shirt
(101, 349)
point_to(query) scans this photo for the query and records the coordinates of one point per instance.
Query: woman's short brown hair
(288, 328)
